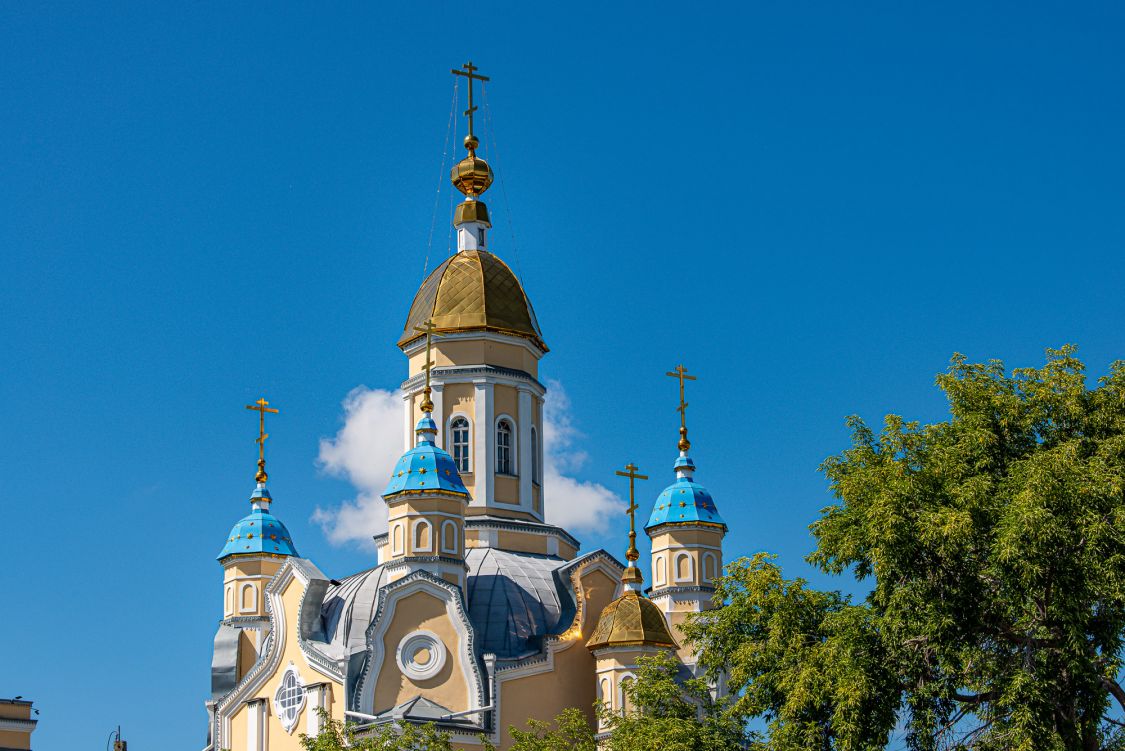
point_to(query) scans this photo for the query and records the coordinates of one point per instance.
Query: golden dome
(473, 291)
(630, 621)
(471, 175)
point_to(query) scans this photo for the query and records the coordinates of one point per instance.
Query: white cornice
(20, 726)
(417, 345)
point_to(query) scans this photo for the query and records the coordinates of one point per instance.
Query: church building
(476, 614)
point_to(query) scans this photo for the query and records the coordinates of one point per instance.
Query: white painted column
(482, 443)
(523, 455)
(315, 701)
(408, 414)
(256, 725)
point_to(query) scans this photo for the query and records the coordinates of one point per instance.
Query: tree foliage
(338, 736)
(994, 543)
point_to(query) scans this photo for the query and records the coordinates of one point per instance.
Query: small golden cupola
(632, 620)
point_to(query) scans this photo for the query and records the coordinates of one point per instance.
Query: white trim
(408, 413)
(660, 569)
(708, 556)
(620, 692)
(417, 640)
(688, 546)
(228, 599)
(242, 598)
(514, 448)
(676, 567)
(414, 546)
(256, 724)
(455, 548)
(524, 460)
(398, 544)
(18, 725)
(419, 344)
(447, 439)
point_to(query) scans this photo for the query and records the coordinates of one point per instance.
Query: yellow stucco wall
(14, 739)
(571, 683)
(450, 687)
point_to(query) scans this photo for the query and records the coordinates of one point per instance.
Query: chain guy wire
(500, 172)
(441, 177)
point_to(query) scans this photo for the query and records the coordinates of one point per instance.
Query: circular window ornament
(421, 655)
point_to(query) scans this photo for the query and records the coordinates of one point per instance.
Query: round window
(421, 655)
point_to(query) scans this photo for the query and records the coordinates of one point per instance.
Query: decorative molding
(412, 644)
(475, 373)
(484, 521)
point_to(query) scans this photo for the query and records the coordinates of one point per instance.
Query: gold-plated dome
(471, 175)
(473, 291)
(631, 621)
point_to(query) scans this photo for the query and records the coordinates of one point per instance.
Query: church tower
(629, 627)
(426, 501)
(687, 535)
(488, 401)
(255, 549)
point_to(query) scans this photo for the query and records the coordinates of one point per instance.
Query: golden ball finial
(471, 142)
(261, 476)
(684, 444)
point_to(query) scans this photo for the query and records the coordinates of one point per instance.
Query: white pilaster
(256, 725)
(482, 444)
(439, 413)
(524, 453)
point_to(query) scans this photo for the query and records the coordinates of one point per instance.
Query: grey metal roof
(224, 661)
(348, 609)
(515, 599)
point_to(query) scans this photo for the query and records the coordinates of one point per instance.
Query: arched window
(710, 567)
(248, 598)
(661, 570)
(684, 568)
(449, 536)
(397, 540)
(229, 600)
(423, 534)
(459, 429)
(504, 448)
(623, 687)
(603, 692)
(534, 456)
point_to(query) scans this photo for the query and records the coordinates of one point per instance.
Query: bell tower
(488, 401)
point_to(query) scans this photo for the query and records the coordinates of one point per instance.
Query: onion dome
(471, 175)
(685, 501)
(259, 532)
(473, 291)
(632, 620)
(426, 469)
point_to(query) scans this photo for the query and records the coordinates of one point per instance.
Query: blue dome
(258, 532)
(426, 468)
(684, 502)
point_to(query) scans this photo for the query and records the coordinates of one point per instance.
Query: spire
(632, 577)
(427, 428)
(260, 494)
(472, 176)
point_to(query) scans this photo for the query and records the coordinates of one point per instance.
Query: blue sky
(812, 205)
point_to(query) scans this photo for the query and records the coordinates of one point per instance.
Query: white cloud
(364, 451)
(366, 448)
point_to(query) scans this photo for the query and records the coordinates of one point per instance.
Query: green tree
(338, 736)
(994, 545)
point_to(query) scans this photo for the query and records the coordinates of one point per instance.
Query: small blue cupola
(685, 501)
(259, 531)
(426, 469)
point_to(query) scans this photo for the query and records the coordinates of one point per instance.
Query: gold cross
(262, 408)
(680, 372)
(430, 331)
(469, 72)
(632, 553)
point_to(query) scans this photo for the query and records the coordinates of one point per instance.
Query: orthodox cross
(262, 408)
(632, 553)
(680, 372)
(469, 72)
(430, 331)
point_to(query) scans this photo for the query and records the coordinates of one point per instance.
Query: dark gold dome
(631, 621)
(473, 291)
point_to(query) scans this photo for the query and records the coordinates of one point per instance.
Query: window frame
(451, 429)
(513, 455)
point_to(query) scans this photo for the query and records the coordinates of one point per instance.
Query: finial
(471, 175)
(680, 372)
(469, 71)
(632, 575)
(430, 331)
(262, 407)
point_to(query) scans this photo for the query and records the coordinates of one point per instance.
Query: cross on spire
(632, 554)
(430, 330)
(262, 408)
(470, 72)
(680, 372)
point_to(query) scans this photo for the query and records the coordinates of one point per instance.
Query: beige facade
(16, 724)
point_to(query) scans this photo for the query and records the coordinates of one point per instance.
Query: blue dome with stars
(685, 501)
(259, 532)
(426, 468)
